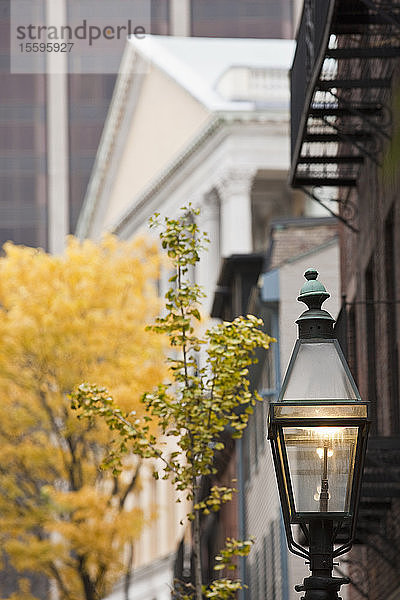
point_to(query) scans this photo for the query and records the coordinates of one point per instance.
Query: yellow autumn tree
(64, 320)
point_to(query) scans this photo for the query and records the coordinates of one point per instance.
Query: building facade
(51, 124)
(346, 111)
(219, 140)
(267, 285)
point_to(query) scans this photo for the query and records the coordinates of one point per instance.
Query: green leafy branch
(209, 393)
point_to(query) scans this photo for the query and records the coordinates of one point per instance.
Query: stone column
(234, 190)
(57, 135)
(210, 262)
(179, 14)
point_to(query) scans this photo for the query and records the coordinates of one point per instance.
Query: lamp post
(318, 431)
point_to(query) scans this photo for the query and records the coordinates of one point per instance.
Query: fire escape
(340, 82)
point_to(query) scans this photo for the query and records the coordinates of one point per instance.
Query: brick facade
(370, 279)
(345, 130)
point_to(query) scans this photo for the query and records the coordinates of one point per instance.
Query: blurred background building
(208, 124)
(51, 124)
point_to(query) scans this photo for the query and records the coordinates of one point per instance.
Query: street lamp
(318, 431)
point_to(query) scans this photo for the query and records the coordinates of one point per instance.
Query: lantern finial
(313, 292)
(314, 322)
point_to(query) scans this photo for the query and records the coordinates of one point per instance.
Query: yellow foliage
(64, 320)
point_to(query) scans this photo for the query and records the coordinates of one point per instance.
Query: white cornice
(115, 131)
(152, 189)
(219, 126)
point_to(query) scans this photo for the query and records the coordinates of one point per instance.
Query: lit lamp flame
(326, 437)
(325, 453)
(320, 452)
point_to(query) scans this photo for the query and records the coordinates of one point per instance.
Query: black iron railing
(312, 40)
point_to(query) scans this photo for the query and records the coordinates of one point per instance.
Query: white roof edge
(334, 240)
(157, 49)
(177, 70)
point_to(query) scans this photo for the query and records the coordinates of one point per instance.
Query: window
(391, 323)
(160, 17)
(352, 342)
(242, 18)
(273, 568)
(371, 340)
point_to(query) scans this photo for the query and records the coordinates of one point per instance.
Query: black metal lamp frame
(321, 528)
(292, 517)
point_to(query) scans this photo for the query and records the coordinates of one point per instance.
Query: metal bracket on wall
(385, 10)
(365, 112)
(352, 139)
(346, 203)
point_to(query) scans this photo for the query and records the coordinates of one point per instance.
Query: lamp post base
(321, 588)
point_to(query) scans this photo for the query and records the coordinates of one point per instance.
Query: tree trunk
(90, 592)
(89, 588)
(198, 580)
(128, 574)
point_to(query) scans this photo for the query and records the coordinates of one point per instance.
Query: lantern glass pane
(321, 467)
(320, 411)
(318, 373)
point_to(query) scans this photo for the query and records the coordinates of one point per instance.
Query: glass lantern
(318, 428)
